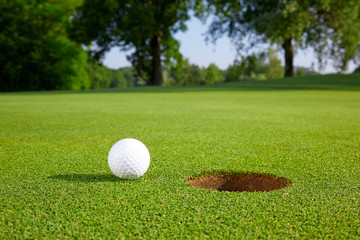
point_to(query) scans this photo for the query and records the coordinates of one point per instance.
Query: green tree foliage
(187, 75)
(273, 68)
(35, 52)
(331, 27)
(213, 74)
(304, 71)
(192, 75)
(260, 66)
(99, 75)
(102, 77)
(247, 68)
(143, 25)
(336, 32)
(124, 77)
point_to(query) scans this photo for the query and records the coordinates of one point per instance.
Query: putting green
(55, 181)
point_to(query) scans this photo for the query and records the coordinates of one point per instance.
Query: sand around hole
(246, 182)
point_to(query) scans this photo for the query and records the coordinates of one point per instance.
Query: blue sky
(194, 47)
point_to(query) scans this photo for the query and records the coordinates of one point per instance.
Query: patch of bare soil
(249, 182)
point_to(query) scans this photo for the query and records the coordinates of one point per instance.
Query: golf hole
(239, 182)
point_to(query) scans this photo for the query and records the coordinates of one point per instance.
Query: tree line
(42, 42)
(259, 66)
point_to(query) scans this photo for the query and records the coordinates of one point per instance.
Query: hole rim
(285, 181)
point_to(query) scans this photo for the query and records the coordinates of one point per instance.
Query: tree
(213, 74)
(336, 32)
(258, 66)
(123, 78)
(35, 51)
(143, 25)
(235, 72)
(331, 27)
(273, 69)
(187, 75)
(103, 77)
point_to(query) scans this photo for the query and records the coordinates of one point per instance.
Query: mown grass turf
(332, 81)
(55, 181)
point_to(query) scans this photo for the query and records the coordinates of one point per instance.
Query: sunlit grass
(55, 182)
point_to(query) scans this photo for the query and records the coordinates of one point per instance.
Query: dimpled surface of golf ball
(129, 159)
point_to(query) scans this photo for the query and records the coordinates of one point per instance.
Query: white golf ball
(129, 159)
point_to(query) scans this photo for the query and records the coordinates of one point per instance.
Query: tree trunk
(289, 57)
(139, 67)
(156, 74)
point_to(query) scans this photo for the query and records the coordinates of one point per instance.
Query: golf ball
(129, 159)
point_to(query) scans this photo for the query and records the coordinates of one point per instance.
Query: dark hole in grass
(239, 182)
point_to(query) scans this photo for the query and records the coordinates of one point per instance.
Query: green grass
(332, 81)
(55, 181)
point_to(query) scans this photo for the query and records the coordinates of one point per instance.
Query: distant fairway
(55, 181)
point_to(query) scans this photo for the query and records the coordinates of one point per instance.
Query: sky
(194, 47)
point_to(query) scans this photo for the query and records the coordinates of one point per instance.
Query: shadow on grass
(86, 177)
